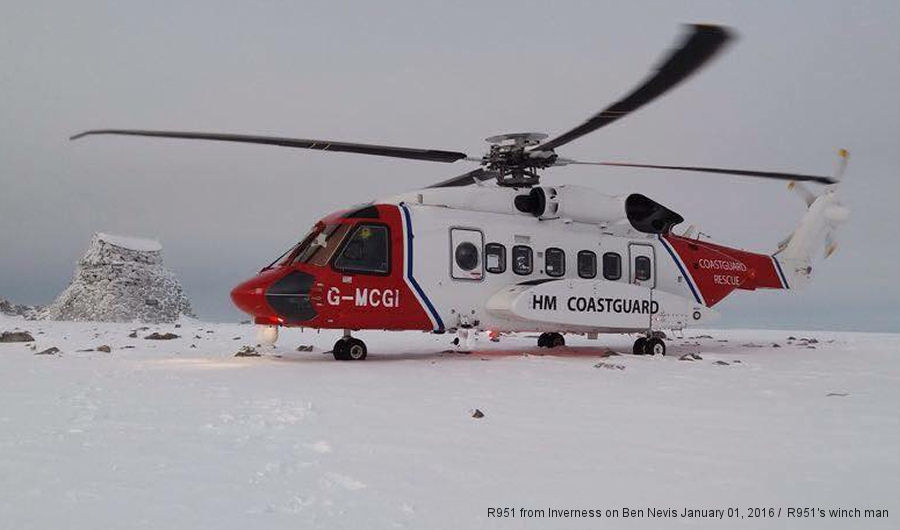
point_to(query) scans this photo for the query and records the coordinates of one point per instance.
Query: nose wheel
(349, 349)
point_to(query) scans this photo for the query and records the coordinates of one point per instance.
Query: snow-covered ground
(162, 434)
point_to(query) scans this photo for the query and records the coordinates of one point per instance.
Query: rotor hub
(516, 162)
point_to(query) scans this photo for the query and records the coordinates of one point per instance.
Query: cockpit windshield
(317, 247)
(290, 254)
(323, 245)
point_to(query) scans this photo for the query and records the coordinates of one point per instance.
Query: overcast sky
(802, 80)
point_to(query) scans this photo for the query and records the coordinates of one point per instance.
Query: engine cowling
(583, 205)
(586, 205)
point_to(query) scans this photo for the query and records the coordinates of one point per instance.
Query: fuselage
(449, 258)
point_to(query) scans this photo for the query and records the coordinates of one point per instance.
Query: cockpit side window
(367, 251)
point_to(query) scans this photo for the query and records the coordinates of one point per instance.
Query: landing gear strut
(649, 346)
(266, 334)
(551, 340)
(348, 348)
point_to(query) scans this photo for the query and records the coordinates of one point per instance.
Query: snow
(163, 435)
(131, 243)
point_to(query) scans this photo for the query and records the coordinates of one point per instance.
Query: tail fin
(817, 227)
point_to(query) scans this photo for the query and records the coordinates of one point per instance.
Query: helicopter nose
(276, 297)
(250, 297)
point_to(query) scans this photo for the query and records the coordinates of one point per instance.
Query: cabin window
(642, 268)
(555, 262)
(612, 266)
(587, 264)
(495, 258)
(523, 260)
(466, 256)
(367, 251)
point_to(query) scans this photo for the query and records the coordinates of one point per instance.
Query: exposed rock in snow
(120, 279)
(161, 336)
(16, 336)
(247, 351)
(9, 308)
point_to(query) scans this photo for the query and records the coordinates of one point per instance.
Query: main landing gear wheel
(551, 340)
(654, 346)
(649, 346)
(349, 349)
(638, 348)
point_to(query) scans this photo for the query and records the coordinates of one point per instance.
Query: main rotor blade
(697, 48)
(465, 179)
(431, 155)
(739, 172)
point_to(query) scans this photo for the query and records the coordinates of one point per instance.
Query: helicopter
(495, 250)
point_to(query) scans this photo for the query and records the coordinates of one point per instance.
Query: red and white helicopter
(467, 255)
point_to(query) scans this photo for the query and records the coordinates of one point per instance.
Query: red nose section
(250, 297)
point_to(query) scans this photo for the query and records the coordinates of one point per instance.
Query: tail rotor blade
(830, 243)
(801, 190)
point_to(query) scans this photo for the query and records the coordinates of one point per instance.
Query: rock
(776, 345)
(836, 394)
(736, 361)
(303, 347)
(16, 336)
(120, 279)
(18, 310)
(477, 414)
(127, 347)
(133, 334)
(49, 351)
(164, 336)
(177, 326)
(792, 338)
(610, 366)
(686, 357)
(609, 353)
(247, 351)
(721, 363)
(104, 348)
(236, 338)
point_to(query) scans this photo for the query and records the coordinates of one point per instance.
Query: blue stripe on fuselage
(684, 273)
(409, 270)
